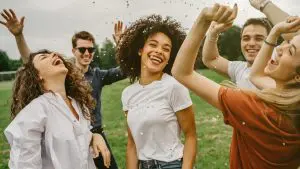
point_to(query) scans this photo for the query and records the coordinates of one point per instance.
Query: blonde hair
(285, 101)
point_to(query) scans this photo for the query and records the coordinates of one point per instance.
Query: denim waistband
(156, 164)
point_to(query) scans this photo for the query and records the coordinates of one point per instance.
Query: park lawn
(213, 135)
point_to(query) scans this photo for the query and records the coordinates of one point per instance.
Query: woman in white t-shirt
(156, 105)
(51, 119)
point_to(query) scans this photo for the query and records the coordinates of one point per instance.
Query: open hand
(13, 24)
(118, 29)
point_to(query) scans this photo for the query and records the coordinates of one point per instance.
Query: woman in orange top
(266, 124)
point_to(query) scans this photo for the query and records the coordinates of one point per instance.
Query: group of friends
(56, 106)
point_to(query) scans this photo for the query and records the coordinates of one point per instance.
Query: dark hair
(82, 35)
(28, 86)
(258, 21)
(135, 36)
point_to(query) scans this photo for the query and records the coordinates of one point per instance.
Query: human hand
(12, 23)
(99, 146)
(219, 13)
(118, 30)
(290, 25)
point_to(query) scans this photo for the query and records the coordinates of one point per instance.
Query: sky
(50, 24)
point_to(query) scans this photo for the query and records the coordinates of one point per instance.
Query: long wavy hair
(28, 86)
(135, 36)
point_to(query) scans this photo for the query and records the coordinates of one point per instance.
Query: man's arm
(111, 75)
(273, 13)
(211, 57)
(15, 26)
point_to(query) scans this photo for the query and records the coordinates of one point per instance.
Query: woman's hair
(285, 101)
(134, 38)
(28, 86)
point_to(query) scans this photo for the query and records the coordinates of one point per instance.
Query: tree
(230, 44)
(104, 57)
(4, 61)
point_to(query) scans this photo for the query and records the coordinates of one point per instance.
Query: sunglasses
(83, 49)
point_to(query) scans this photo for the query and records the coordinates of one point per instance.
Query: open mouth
(57, 61)
(156, 59)
(252, 51)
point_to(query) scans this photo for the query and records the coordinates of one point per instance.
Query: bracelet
(263, 5)
(270, 44)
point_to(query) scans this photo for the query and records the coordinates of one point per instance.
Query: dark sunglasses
(83, 49)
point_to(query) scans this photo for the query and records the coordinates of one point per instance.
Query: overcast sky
(51, 23)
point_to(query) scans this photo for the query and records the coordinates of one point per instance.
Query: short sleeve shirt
(152, 117)
(239, 73)
(262, 138)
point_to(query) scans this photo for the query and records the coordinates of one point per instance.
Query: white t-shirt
(152, 119)
(239, 72)
(45, 134)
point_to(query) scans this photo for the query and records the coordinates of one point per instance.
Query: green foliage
(230, 43)
(104, 57)
(7, 64)
(212, 134)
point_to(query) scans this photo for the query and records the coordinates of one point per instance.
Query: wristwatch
(263, 5)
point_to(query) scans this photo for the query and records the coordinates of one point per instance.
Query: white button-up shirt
(46, 135)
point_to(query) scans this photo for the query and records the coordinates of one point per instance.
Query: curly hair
(28, 86)
(135, 36)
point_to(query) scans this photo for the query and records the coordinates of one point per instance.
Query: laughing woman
(266, 130)
(50, 111)
(156, 105)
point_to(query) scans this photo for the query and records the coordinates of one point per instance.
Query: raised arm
(273, 13)
(15, 26)
(118, 30)
(257, 75)
(210, 56)
(184, 63)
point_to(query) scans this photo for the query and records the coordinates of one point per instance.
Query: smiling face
(155, 54)
(49, 66)
(283, 67)
(83, 52)
(251, 41)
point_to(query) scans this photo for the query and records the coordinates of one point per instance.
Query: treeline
(7, 64)
(229, 46)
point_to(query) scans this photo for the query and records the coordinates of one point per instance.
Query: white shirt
(239, 73)
(152, 119)
(46, 135)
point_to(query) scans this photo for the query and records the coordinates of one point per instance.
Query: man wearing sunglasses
(83, 50)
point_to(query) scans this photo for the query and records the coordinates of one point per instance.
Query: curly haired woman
(156, 105)
(51, 119)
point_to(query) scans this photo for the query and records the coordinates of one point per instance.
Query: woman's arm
(257, 75)
(99, 145)
(184, 63)
(131, 154)
(16, 28)
(186, 121)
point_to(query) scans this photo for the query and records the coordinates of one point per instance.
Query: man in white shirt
(253, 33)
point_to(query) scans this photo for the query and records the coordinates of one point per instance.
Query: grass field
(213, 135)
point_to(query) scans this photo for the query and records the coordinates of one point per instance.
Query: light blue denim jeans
(156, 164)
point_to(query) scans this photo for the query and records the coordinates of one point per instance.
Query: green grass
(213, 136)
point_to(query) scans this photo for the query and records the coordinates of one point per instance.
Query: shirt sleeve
(124, 100)
(233, 68)
(240, 108)
(24, 135)
(180, 98)
(111, 75)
